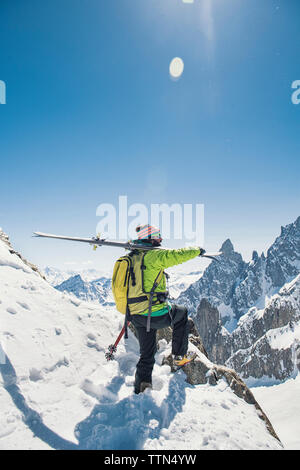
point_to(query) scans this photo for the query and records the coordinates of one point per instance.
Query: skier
(144, 300)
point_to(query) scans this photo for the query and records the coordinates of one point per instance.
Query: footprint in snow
(11, 310)
(92, 337)
(24, 305)
(35, 375)
(225, 406)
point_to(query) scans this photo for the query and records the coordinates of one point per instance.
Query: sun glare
(176, 67)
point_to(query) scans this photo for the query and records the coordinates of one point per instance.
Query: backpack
(128, 287)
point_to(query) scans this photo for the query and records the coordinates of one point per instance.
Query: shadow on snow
(30, 417)
(112, 424)
(128, 423)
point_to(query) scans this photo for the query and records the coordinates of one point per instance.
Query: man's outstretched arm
(163, 259)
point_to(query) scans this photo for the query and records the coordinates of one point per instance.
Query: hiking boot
(179, 361)
(141, 387)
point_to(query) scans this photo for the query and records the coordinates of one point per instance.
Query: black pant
(178, 319)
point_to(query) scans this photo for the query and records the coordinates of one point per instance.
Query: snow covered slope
(281, 403)
(58, 392)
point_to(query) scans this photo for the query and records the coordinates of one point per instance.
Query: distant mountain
(56, 276)
(98, 290)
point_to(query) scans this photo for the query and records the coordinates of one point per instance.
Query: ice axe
(112, 348)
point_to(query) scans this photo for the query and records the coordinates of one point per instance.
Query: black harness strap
(135, 300)
(155, 284)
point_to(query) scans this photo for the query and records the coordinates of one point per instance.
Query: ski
(97, 241)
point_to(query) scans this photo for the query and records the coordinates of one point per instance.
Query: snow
(58, 392)
(285, 337)
(281, 404)
(227, 313)
(224, 424)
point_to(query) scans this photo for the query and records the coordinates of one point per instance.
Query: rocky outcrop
(5, 239)
(215, 337)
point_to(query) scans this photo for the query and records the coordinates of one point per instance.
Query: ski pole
(112, 348)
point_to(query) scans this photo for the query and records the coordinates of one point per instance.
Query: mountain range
(234, 286)
(248, 314)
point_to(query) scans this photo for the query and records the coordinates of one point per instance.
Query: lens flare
(176, 67)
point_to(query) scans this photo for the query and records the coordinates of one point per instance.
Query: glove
(202, 251)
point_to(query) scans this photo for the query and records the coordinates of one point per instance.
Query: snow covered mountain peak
(227, 247)
(98, 290)
(283, 257)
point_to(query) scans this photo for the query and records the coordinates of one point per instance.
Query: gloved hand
(202, 251)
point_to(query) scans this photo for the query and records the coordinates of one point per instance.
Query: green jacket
(157, 260)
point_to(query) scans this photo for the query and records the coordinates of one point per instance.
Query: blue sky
(92, 113)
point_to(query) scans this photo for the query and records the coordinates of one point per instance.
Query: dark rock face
(215, 337)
